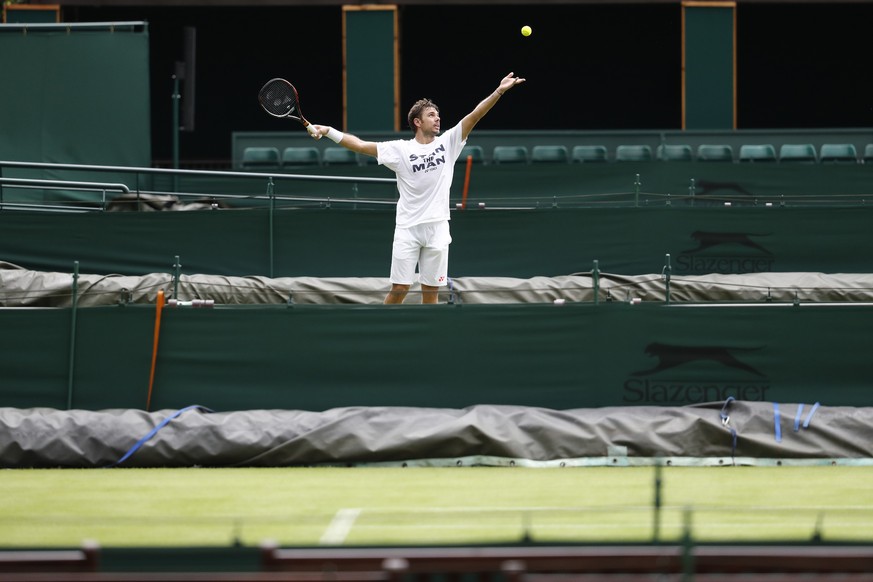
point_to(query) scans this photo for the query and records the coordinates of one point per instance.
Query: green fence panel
(503, 243)
(34, 357)
(320, 357)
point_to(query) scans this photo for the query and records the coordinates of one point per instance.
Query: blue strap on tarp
(155, 430)
(725, 422)
(797, 417)
(809, 416)
(777, 428)
(725, 418)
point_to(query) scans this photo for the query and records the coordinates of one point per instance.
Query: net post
(667, 270)
(272, 195)
(687, 547)
(177, 268)
(74, 308)
(595, 274)
(637, 185)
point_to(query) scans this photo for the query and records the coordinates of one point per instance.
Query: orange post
(158, 310)
(467, 182)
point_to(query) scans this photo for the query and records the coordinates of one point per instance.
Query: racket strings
(279, 98)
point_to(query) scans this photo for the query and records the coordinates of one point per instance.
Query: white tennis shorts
(425, 245)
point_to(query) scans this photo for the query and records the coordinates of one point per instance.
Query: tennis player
(424, 166)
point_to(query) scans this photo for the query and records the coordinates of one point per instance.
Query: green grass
(296, 506)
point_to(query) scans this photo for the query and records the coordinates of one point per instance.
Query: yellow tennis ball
(526, 30)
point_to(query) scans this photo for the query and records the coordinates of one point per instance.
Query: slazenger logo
(691, 374)
(725, 252)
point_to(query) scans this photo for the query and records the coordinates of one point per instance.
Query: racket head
(279, 98)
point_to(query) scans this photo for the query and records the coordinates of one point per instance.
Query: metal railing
(101, 187)
(138, 188)
(70, 26)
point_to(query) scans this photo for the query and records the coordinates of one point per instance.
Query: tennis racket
(279, 98)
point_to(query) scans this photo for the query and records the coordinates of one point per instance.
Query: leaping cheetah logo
(670, 356)
(706, 240)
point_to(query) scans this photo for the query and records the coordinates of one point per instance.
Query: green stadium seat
(472, 150)
(260, 158)
(715, 153)
(797, 152)
(588, 153)
(550, 154)
(674, 152)
(838, 152)
(510, 155)
(757, 153)
(301, 156)
(633, 153)
(868, 153)
(338, 156)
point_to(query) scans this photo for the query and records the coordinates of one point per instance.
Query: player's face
(430, 121)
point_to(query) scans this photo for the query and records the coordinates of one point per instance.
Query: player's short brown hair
(417, 109)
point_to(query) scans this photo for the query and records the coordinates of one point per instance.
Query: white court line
(340, 526)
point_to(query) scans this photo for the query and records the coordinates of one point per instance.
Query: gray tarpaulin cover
(735, 432)
(24, 288)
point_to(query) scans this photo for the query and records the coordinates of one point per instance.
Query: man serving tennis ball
(424, 166)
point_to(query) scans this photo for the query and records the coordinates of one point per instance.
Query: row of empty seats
(674, 152)
(271, 158)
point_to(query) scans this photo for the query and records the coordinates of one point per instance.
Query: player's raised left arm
(484, 106)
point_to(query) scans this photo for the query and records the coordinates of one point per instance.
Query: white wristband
(334, 135)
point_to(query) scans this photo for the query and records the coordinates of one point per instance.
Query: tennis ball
(526, 30)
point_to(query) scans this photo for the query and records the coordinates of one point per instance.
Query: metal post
(656, 517)
(667, 270)
(270, 193)
(176, 98)
(637, 190)
(177, 268)
(75, 304)
(596, 275)
(692, 191)
(687, 547)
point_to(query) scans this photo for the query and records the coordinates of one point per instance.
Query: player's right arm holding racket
(347, 140)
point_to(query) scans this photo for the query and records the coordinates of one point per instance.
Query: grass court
(419, 506)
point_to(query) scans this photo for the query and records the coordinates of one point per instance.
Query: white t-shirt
(424, 175)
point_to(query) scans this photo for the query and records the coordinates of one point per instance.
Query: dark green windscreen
(445, 356)
(370, 70)
(709, 67)
(75, 96)
(498, 243)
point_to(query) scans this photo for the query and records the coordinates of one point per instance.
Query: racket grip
(311, 129)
